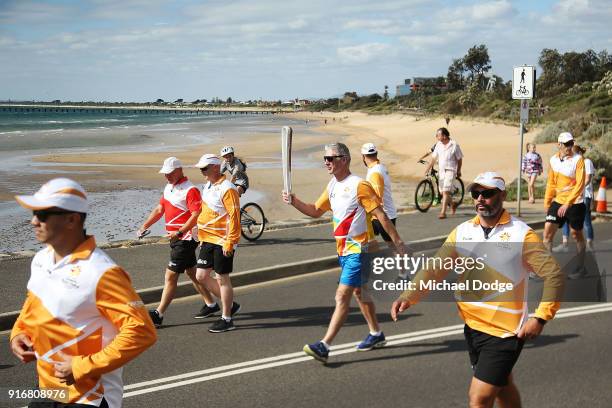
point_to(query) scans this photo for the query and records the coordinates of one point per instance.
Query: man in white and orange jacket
(497, 321)
(82, 319)
(218, 233)
(564, 198)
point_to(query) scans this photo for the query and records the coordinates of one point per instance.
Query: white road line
(299, 357)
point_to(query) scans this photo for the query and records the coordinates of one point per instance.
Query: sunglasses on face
(42, 215)
(569, 144)
(331, 158)
(203, 169)
(484, 193)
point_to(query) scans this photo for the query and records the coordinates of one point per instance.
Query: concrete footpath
(277, 254)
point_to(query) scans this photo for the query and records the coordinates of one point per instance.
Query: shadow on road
(446, 346)
(303, 317)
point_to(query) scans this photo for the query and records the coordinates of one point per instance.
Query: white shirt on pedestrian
(589, 168)
(448, 155)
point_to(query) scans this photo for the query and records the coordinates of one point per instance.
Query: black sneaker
(235, 308)
(207, 311)
(157, 319)
(221, 326)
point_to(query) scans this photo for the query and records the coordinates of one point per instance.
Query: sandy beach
(129, 173)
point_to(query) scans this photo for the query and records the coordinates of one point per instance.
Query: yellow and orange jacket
(510, 252)
(84, 306)
(219, 221)
(566, 180)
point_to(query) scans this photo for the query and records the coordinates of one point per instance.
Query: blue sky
(140, 50)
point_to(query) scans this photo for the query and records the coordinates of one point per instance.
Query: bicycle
(425, 193)
(252, 221)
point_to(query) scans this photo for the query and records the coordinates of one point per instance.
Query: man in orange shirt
(218, 233)
(82, 320)
(564, 198)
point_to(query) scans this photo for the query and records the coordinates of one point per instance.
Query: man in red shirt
(180, 204)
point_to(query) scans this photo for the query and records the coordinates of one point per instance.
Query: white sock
(211, 304)
(160, 314)
(378, 333)
(325, 344)
(227, 319)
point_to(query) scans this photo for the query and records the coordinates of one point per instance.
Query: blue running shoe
(317, 350)
(372, 342)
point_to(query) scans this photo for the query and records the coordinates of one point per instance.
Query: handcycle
(428, 191)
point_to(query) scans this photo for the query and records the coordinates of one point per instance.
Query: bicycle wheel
(252, 221)
(424, 195)
(458, 191)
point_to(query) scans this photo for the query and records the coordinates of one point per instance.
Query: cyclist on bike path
(180, 204)
(450, 158)
(496, 324)
(378, 177)
(236, 168)
(218, 233)
(351, 199)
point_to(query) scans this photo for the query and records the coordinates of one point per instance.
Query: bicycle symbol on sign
(522, 91)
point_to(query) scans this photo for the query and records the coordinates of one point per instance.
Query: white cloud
(271, 48)
(362, 53)
(487, 12)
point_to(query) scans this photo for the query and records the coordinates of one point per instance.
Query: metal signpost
(523, 88)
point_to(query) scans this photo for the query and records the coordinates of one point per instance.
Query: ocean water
(14, 122)
(115, 214)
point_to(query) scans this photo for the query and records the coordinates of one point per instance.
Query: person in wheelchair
(236, 168)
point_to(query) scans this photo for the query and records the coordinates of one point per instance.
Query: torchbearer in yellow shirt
(497, 322)
(82, 320)
(350, 199)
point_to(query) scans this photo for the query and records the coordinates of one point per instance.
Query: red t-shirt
(179, 201)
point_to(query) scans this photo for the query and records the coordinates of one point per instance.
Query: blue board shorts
(351, 274)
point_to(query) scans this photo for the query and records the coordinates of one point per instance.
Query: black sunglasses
(331, 158)
(484, 193)
(203, 169)
(568, 144)
(42, 215)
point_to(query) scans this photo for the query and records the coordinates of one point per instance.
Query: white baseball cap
(60, 192)
(368, 148)
(208, 159)
(170, 164)
(489, 179)
(565, 137)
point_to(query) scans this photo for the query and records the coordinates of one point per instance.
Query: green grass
(511, 189)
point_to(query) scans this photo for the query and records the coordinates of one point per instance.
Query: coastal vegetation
(573, 93)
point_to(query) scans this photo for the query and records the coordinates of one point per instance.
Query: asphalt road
(424, 365)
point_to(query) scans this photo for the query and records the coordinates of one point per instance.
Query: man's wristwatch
(542, 321)
(179, 233)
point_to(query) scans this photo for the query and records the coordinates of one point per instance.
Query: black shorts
(379, 230)
(574, 215)
(492, 358)
(211, 256)
(182, 255)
